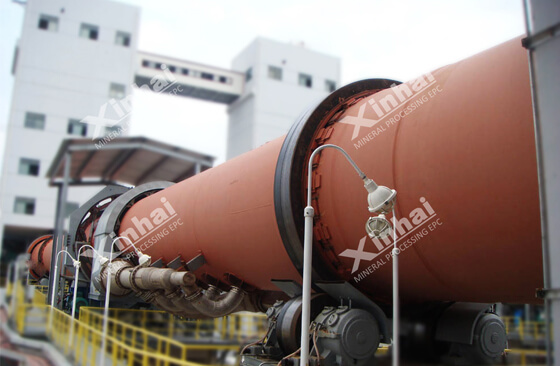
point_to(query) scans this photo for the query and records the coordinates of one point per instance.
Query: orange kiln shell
(468, 150)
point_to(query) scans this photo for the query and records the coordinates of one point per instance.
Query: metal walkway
(134, 337)
(168, 75)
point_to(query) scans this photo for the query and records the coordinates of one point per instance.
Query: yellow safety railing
(80, 340)
(42, 289)
(150, 340)
(526, 330)
(84, 347)
(534, 354)
(144, 339)
(39, 296)
(19, 308)
(127, 344)
(9, 288)
(240, 327)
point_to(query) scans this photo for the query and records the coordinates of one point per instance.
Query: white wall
(63, 76)
(276, 103)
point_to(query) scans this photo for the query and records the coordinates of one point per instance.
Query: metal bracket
(538, 38)
(157, 264)
(196, 263)
(289, 287)
(548, 293)
(176, 263)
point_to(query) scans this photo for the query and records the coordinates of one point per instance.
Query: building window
(172, 68)
(223, 79)
(122, 39)
(75, 127)
(89, 31)
(146, 63)
(29, 167)
(207, 76)
(275, 73)
(305, 80)
(116, 91)
(330, 86)
(248, 74)
(23, 205)
(185, 71)
(48, 23)
(35, 120)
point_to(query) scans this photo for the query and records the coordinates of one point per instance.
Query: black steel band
(289, 193)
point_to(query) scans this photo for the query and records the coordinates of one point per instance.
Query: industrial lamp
(144, 260)
(378, 227)
(380, 200)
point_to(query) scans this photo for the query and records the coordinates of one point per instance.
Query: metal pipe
(309, 214)
(161, 301)
(310, 167)
(107, 299)
(542, 21)
(212, 292)
(216, 308)
(252, 302)
(9, 279)
(175, 303)
(396, 310)
(58, 242)
(544, 247)
(185, 308)
(87, 246)
(76, 275)
(15, 288)
(154, 279)
(56, 275)
(144, 280)
(210, 303)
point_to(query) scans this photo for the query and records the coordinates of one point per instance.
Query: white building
(72, 58)
(282, 81)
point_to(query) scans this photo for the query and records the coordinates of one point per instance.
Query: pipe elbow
(217, 308)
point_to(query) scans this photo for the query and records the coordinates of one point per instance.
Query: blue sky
(389, 39)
